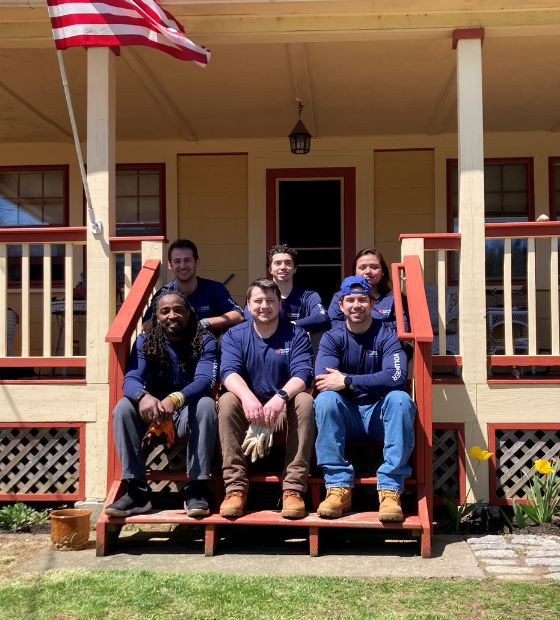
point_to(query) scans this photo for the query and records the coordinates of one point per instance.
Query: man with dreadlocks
(170, 375)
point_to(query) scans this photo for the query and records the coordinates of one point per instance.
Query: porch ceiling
(349, 88)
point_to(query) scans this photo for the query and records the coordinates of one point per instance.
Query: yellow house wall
(197, 195)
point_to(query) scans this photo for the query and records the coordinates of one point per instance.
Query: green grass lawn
(132, 595)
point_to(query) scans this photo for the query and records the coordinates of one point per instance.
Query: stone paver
(518, 558)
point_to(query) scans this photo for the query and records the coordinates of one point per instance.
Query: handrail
(132, 244)
(522, 229)
(43, 234)
(119, 336)
(125, 322)
(436, 241)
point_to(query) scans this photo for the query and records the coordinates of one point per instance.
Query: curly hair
(154, 342)
(283, 248)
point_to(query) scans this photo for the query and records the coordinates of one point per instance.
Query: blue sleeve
(205, 373)
(328, 355)
(392, 375)
(301, 365)
(246, 314)
(316, 319)
(136, 370)
(335, 313)
(225, 302)
(231, 354)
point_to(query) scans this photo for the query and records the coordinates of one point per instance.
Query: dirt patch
(16, 550)
(544, 529)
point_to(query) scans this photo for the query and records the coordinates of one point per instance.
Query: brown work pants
(297, 421)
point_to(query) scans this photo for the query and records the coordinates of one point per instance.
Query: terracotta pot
(70, 528)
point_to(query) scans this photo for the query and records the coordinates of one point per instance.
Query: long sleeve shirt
(196, 381)
(266, 364)
(209, 298)
(304, 308)
(374, 360)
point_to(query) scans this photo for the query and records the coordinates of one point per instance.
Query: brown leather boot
(233, 504)
(338, 501)
(293, 506)
(390, 506)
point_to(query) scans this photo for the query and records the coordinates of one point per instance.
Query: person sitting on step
(172, 370)
(360, 372)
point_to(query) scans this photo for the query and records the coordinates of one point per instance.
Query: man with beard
(360, 372)
(215, 308)
(170, 375)
(266, 369)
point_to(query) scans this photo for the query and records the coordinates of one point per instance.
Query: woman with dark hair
(370, 263)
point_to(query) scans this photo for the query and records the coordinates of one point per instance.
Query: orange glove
(160, 432)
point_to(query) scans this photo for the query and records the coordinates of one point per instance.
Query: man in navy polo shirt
(266, 368)
(360, 372)
(214, 306)
(302, 307)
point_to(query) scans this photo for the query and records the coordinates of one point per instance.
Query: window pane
(54, 212)
(515, 204)
(126, 183)
(492, 203)
(127, 209)
(8, 213)
(54, 184)
(9, 183)
(322, 256)
(149, 209)
(31, 184)
(31, 213)
(149, 183)
(492, 178)
(515, 177)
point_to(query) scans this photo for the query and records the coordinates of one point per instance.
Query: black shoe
(136, 501)
(196, 502)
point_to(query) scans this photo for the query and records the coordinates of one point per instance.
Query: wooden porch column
(101, 180)
(472, 281)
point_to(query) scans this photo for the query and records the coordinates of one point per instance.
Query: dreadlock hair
(154, 342)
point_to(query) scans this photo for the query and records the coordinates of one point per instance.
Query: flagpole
(96, 225)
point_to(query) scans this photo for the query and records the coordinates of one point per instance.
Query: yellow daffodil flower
(479, 454)
(544, 467)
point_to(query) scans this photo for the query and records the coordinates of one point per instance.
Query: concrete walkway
(266, 551)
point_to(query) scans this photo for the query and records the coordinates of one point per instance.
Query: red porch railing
(119, 336)
(422, 336)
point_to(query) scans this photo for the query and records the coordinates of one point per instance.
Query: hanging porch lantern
(300, 138)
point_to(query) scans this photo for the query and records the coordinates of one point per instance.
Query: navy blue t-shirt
(375, 360)
(209, 298)
(195, 381)
(305, 308)
(266, 364)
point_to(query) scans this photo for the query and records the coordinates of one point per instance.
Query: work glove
(257, 442)
(159, 432)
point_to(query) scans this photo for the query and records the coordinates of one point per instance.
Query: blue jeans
(390, 419)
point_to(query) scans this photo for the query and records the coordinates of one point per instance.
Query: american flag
(121, 22)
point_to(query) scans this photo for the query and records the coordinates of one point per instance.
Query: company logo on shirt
(202, 309)
(293, 315)
(283, 351)
(371, 353)
(383, 312)
(397, 360)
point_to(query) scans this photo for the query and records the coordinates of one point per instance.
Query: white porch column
(101, 180)
(472, 289)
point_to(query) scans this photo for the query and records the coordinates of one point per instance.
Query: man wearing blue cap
(360, 372)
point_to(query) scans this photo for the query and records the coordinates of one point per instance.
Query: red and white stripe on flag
(116, 23)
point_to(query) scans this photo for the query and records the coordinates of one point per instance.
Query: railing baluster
(532, 295)
(68, 300)
(442, 305)
(508, 315)
(25, 314)
(47, 294)
(3, 299)
(127, 273)
(554, 318)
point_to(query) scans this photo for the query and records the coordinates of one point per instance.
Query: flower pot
(70, 528)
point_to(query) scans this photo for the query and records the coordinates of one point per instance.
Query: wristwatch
(205, 323)
(348, 381)
(283, 395)
(139, 395)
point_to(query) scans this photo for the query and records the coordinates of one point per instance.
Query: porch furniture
(495, 320)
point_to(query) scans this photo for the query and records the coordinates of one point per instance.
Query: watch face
(283, 394)
(139, 394)
(347, 380)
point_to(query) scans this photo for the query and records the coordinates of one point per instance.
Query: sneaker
(337, 502)
(233, 504)
(390, 506)
(135, 501)
(293, 506)
(196, 502)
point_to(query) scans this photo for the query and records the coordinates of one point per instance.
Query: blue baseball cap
(355, 284)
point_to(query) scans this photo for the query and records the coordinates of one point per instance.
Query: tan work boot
(293, 506)
(233, 504)
(390, 506)
(338, 501)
